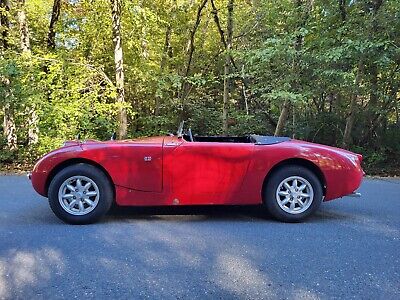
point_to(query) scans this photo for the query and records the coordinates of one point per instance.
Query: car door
(135, 164)
(205, 172)
(146, 167)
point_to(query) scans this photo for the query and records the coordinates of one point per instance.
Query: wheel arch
(299, 162)
(74, 161)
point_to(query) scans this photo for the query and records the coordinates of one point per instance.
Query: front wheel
(292, 193)
(80, 194)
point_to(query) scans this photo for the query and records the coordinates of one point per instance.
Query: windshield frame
(179, 133)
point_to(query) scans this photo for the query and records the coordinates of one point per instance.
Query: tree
(190, 48)
(330, 66)
(229, 34)
(353, 106)
(55, 15)
(302, 11)
(25, 45)
(167, 52)
(23, 27)
(119, 67)
(9, 128)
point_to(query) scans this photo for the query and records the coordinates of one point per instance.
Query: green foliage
(6, 156)
(308, 55)
(69, 98)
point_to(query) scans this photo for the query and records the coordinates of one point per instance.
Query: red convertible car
(291, 178)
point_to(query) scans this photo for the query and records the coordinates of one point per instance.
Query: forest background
(325, 71)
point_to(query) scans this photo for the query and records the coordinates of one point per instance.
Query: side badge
(175, 202)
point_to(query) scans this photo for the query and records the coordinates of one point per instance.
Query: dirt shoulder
(17, 169)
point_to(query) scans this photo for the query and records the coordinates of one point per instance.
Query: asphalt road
(350, 249)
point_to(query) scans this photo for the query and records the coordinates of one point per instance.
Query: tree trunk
(119, 67)
(33, 128)
(342, 9)
(229, 34)
(353, 105)
(372, 106)
(55, 15)
(23, 27)
(294, 121)
(190, 46)
(225, 97)
(244, 93)
(9, 127)
(185, 90)
(282, 118)
(244, 84)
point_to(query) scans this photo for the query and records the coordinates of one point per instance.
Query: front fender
(44, 167)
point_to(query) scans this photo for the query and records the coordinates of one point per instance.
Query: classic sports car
(291, 178)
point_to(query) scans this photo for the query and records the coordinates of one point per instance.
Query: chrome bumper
(354, 194)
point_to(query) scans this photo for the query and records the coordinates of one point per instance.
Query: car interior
(253, 138)
(219, 139)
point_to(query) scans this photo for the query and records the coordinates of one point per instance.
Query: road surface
(349, 249)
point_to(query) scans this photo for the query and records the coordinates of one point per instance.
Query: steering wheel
(190, 134)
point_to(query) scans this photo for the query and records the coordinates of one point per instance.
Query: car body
(172, 170)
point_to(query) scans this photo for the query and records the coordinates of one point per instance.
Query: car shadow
(189, 213)
(254, 213)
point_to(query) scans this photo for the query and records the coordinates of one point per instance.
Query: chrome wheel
(78, 195)
(294, 195)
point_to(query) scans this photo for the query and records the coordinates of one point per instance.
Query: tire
(95, 205)
(293, 205)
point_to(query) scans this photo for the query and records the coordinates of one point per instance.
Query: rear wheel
(292, 193)
(80, 194)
